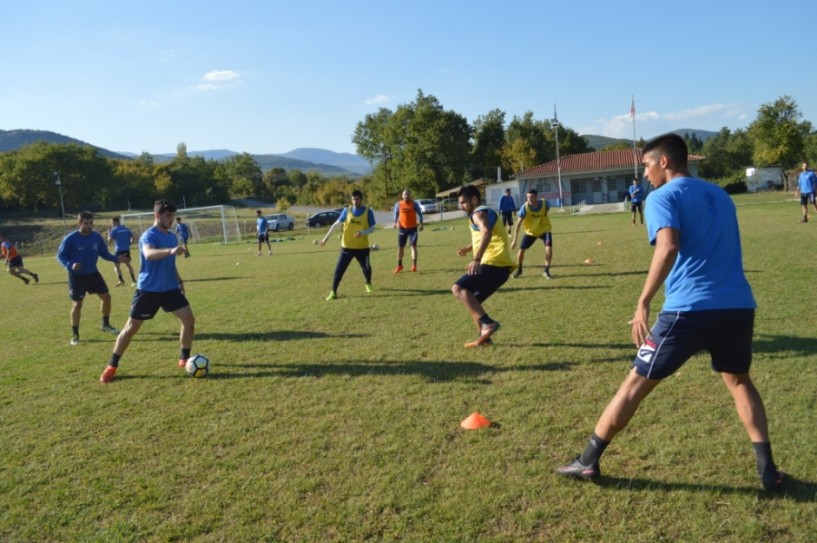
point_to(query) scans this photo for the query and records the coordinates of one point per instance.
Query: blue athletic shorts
(123, 252)
(725, 333)
(91, 283)
(407, 234)
(528, 241)
(145, 304)
(486, 282)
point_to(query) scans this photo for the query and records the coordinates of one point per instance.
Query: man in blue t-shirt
(78, 253)
(184, 234)
(122, 239)
(807, 187)
(506, 208)
(262, 231)
(159, 286)
(636, 198)
(708, 305)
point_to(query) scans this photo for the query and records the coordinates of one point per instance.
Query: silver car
(280, 221)
(427, 205)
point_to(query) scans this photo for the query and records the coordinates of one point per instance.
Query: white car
(280, 221)
(427, 205)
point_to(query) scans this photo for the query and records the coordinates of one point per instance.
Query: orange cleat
(398, 269)
(108, 374)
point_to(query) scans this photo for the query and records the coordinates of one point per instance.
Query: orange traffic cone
(475, 421)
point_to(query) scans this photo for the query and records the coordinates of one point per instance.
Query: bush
(734, 184)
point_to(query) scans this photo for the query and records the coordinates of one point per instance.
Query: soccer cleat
(331, 296)
(109, 328)
(107, 374)
(75, 341)
(133, 284)
(547, 275)
(26, 281)
(772, 479)
(487, 331)
(182, 362)
(120, 284)
(369, 287)
(414, 268)
(36, 277)
(269, 253)
(517, 273)
(473, 344)
(580, 471)
(398, 269)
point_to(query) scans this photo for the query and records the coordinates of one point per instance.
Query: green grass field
(339, 421)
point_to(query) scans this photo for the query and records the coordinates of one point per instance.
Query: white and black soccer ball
(197, 365)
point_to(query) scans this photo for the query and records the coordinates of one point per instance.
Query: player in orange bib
(408, 220)
(14, 262)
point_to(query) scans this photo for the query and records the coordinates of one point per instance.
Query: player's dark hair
(257, 211)
(115, 220)
(469, 191)
(357, 193)
(162, 206)
(532, 191)
(84, 216)
(671, 145)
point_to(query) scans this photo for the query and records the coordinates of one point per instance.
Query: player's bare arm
(666, 252)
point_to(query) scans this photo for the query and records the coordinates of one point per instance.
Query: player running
(122, 239)
(14, 262)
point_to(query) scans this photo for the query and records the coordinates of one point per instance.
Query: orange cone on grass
(475, 421)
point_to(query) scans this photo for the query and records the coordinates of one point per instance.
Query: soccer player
(159, 286)
(534, 216)
(358, 223)
(507, 206)
(184, 234)
(78, 253)
(262, 231)
(807, 186)
(489, 269)
(14, 262)
(408, 219)
(636, 198)
(708, 305)
(122, 239)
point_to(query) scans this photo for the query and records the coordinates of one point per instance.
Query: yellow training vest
(536, 223)
(498, 252)
(351, 226)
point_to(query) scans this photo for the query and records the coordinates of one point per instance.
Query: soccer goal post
(206, 224)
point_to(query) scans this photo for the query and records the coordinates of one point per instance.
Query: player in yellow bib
(534, 216)
(489, 269)
(358, 222)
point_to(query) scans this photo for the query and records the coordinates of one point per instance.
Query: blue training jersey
(121, 236)
(83, 249)
(635, 193)
(157, 275)
(806, 181)
(182, 230)
(708, 273)
(261, 225)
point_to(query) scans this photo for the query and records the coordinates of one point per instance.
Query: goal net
(206, 224)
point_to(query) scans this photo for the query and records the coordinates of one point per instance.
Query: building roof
(479, 183)
(591, 162)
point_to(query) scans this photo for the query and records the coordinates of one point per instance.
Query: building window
(597, 185)
(581, 186)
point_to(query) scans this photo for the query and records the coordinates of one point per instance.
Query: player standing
(122, 239)
(262, 231)
(408, 220)
(534, 216)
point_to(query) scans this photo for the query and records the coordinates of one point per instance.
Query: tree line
(420, 146)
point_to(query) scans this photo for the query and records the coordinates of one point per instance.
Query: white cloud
(218, 79)
(147, 103)
(649, 122)
(221, 75)
(379, 99)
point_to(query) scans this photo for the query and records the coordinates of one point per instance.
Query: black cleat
(580, 471)
(772, 479)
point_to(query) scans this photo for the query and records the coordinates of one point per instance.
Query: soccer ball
(197, 366)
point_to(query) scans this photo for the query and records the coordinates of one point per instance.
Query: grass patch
(339, 421)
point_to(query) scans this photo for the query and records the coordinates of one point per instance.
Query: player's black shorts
(145, 304)
(80, 285)
(124, 252)
(507, 218)
(486, 282)
(16, 262)
(407, 234)
(263, 237)
(527, 241)
(806, 198)
(725, 333)
(635, 207)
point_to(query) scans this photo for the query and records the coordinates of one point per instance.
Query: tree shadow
(793, 489)
(273, 335)
(784, 346)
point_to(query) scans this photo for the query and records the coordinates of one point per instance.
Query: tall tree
(778, 134)
(489, 139)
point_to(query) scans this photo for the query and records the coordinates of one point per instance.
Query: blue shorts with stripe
(676, 336)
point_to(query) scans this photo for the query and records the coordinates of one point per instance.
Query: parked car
(322, 218)
(450, 204)
(427, 205)
(280, 221)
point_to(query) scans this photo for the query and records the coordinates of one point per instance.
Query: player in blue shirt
(262, 231)
(78, 253)
(708, 305)
(807, 187)
(122, 239)
(159, 286)
(184, 234)
(506, 208)
(636, 199)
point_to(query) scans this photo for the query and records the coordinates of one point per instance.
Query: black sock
(399, 261)
(185, 354)
(132, 278)
(114, 360)
(75, 330)
(485, 320)
(121, 280)
(592, 453)
(106, 321)
(763, 456)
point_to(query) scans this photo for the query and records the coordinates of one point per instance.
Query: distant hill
(11, 140)
(347, 161)
(268, 162)
(599, 142)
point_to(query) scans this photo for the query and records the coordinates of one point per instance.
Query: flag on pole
(632, 108)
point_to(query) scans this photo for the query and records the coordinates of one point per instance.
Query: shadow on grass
(273, 335)
(793, 489)
(784, 346)
(432, 370)
(210, 279)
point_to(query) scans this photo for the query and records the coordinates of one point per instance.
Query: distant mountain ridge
(599, 142)
(11, 140)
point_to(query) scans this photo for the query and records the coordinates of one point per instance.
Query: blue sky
(270, 76)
